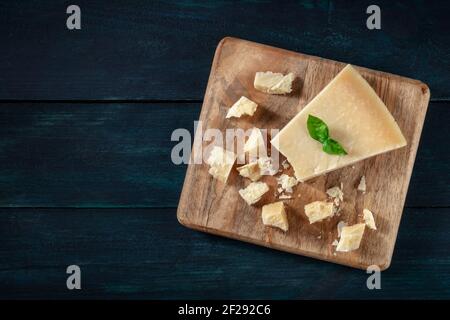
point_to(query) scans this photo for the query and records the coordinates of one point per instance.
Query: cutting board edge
(303, 253)
(422, 85)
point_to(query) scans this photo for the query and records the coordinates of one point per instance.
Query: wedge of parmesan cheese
(273, 83)
(274, 214)
(351, 237)
(356, 117)
(251, 171)
(253, 192)
(243, 106)
(362, 184)
(369, 220)
(318, 210)
(221, 162)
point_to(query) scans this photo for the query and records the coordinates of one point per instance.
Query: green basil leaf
(331, 146)
(318, 130)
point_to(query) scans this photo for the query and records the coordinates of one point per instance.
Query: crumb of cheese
(241, 107)
(220, 161)
(273, 83)
(362, 184)
(336, 193)
(253, 192)
(287, 182)
(250, 170)
(318, 210)
(369, 220)
(266, 166)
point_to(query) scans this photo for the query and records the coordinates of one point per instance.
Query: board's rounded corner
(222, 42)
(225, 39)
(384, 264)
(182, 220)
(425, 89)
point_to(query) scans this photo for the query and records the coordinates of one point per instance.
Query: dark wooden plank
(110, 155)
(163, 50)
(145, 253)
(90, 155)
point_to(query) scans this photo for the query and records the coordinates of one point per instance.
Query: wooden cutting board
(209, 205)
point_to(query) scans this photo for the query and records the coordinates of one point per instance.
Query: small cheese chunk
(336, 192)
(362, 184)
(273, 83)
(241, 107)
(251, 171)
(274, 214)
(356, 117)
(220, 161)
(255, 144)
(351, 237)
(287, 182)
(318, 210)
(254, 192)
(369, 220)
(340, 225)
(266, 166)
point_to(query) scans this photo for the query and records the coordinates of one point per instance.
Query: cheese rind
(351, 237)
(221, 162)
(253, 192)
(274, 214)
(369, 220)
(273, 83)
(243, 106)
(356, 118)
(318, 210)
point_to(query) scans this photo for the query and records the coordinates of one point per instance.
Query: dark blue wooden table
(85, 123)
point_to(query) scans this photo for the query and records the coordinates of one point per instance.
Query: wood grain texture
(106, 155)
(146, 254)
(212, 206)
(163, 49)
(91, 155)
